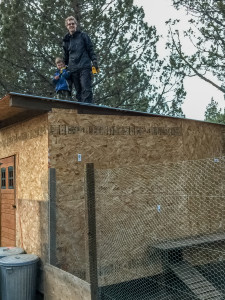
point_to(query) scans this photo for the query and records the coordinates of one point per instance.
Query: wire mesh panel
(161, 231)
(68, 236)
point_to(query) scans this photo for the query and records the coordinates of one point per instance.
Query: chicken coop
(157, 205)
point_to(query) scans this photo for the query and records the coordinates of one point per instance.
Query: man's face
(71, 26)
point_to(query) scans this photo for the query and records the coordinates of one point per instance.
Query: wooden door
(8, 213)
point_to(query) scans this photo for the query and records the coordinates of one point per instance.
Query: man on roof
(79, 56)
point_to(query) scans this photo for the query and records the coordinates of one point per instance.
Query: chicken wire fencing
(67, 228)
(160, 231)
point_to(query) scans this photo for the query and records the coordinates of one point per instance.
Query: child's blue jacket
(61, 83)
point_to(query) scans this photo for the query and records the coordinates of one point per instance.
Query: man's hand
(56, 77)
(95, 64)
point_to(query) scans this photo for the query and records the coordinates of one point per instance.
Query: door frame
(14, 193)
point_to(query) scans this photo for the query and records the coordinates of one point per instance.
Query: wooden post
(0, 208)
(52, 216)
(91, 210)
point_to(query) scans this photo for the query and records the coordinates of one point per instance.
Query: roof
(15, 107)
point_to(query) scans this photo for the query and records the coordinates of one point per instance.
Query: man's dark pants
(82, 81)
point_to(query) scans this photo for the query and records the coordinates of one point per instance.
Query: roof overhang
(15, 107)
(12, 112)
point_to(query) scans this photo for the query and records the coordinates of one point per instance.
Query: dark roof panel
(16, 107)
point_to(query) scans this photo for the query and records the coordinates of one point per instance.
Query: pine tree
(213, 113)
(12, 29)
(207, 35)
(131, 73)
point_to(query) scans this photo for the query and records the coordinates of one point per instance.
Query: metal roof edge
(104, 107)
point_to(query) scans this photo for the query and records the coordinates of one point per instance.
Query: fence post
(52, 216)
(90, 189)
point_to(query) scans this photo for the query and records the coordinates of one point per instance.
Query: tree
(207, 35)
(131, 76)
(11, 69)
(213, 113)
(31, 37)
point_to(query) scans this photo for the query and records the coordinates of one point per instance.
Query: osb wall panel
(32, 219)
(60, 285)
(32, 231)
(112, 142)
(98, 139)
(139, 207)
(130, 224)
(28, 141)
(202, 140)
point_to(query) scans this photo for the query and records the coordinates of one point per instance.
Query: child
(60, 80)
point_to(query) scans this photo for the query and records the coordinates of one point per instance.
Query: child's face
(60, 65)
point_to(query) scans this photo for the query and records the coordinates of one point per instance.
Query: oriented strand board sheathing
(32, 219)
(108, 141)
(202, 140)
(112, 142)
(28, 141)
(99, 138)
(139, 207)
(60, 285)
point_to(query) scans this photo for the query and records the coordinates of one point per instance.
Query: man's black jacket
(78, 51)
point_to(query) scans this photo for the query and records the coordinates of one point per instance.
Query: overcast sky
(199, 93)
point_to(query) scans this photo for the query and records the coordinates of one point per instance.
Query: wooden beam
(90, 196)
(24, 115)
